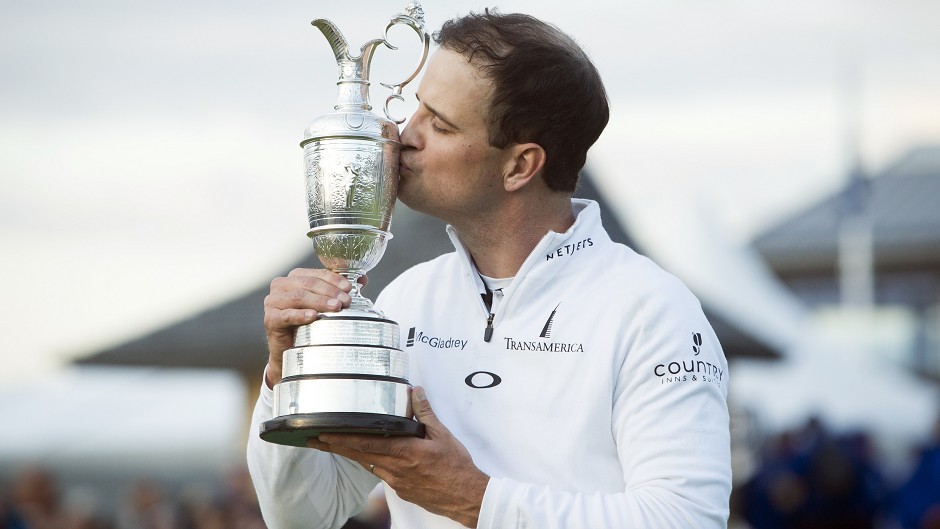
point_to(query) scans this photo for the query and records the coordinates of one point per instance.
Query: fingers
(372, 461)
(297, 300)
(356, 447)
(421, 406)
(313, 442)
(317, 289)
(426, 416)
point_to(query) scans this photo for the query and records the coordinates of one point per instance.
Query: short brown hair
(545, 88)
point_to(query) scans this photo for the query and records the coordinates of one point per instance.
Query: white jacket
(598, 402)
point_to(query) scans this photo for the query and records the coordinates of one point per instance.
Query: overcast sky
(149, 159)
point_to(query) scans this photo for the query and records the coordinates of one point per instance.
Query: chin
(414, 203)
(403, 196)
(407, 200)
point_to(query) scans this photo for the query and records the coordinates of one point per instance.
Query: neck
(501, 243)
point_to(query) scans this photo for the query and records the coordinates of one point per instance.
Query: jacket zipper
(488, 332)
(488, 303)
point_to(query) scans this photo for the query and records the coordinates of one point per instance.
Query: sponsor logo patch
(437, 342)
(543, 345)
(690, 370)
(569, 249)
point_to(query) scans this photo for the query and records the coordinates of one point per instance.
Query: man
(583, 387)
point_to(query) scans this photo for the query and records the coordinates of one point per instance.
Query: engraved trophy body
(347, 371)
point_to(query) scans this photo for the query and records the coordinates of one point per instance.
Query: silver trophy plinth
(347, 371)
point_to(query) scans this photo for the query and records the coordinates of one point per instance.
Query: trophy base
(294, 430)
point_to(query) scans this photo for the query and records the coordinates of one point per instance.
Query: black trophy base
(294, 430)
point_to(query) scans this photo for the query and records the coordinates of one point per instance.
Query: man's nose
(409, 136)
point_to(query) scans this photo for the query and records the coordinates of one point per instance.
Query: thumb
(422, 408)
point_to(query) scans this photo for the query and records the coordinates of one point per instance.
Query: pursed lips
(403, 166)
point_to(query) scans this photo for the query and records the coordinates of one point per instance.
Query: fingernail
(313, 442)
(419, 394)
(344, 297)
(345, 284)
(334, 304)
(309, 315)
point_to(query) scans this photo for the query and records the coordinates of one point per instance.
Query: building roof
(905, 220)
(232, 334)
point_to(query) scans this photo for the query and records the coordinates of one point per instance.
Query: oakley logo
(482, 380)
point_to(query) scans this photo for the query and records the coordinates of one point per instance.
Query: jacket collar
(554, 255)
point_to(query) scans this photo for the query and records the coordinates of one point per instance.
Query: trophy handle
(415, 20)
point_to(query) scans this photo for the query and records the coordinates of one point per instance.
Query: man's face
(448, 168)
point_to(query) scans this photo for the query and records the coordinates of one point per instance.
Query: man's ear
(526, 163)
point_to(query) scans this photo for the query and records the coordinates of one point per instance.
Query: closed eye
(438, 117)
(438, 129)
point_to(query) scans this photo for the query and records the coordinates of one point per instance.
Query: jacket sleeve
(302, 487)
(669, 418)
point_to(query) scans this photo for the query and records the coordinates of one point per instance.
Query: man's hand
(297, 300)
(436, 473)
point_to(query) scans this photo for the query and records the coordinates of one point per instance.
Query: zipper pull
(488, 332)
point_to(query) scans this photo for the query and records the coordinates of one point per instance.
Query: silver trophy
(346, 371)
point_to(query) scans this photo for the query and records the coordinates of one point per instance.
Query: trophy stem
(358, 302)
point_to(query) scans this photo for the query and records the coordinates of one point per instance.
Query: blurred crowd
(808, 478)
(812, 478)
(33, 499)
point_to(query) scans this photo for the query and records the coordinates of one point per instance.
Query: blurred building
(866, 261)
(231, 336)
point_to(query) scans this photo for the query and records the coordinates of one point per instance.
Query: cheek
(455, 160)
(472, 155)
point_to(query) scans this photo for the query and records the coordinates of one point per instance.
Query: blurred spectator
(35, 503)
(810, 479)
(846, 490)
(231, 505)
(35, 500)
(774, 496)
(807, 478)
(146, 507)
(81, 509)
(916, 503)
(375, 515)
(240, 502)
(9, 519)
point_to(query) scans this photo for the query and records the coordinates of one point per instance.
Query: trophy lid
(352, 116)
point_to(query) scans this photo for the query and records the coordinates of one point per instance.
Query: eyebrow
(437, 114)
